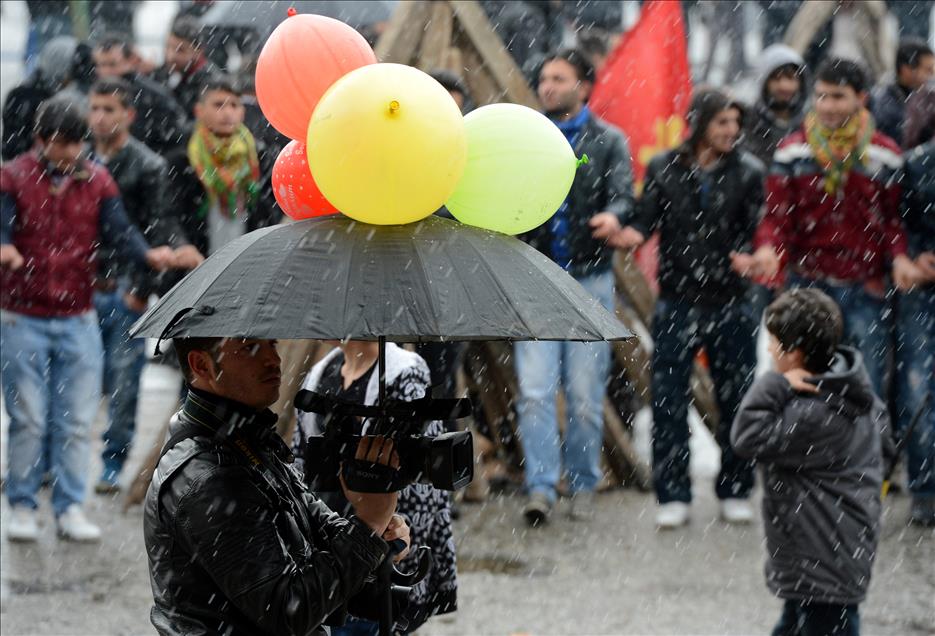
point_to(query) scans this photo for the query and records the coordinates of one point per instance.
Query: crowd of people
(118, 178)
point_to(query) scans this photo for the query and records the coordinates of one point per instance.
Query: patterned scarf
(838, 150)
(228, 168)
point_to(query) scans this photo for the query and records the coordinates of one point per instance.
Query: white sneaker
(23, 525)
(74, 526)
(672, 514)
(737, 511)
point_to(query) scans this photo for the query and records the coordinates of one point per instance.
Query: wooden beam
(404, 32)
(493, 53)
(433, 53)
(483, 87)
(625, 462)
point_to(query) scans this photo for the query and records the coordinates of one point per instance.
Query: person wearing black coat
(915, 66)
(187, 69)
(704, 198)
(815, 427)
(236, 543)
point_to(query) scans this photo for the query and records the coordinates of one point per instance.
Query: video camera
(445, 461)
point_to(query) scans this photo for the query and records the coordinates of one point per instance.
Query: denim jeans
(124, 359)
(51, 376)
(817, 619)
(867, 323)
(728, 334)
(915, 377)
(582, 369)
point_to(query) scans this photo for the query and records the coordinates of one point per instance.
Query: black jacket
(141, 178)
(186, 194)
(160, 123)
(822, 461)
(702, 216)
(888, 105)
(604, 184)
(919, 198)
(236, 544)
(19, 116)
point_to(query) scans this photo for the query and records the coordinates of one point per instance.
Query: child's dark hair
(61, 119)
(837, 70)
(809, 321)
(183, 346)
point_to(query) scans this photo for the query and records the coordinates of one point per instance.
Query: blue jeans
(867, 323)
(728, 334)
(51, 376)
(817, 619)
(582, 369)
(124, 359)
(915, 377)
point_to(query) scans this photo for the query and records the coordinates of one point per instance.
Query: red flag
(645, 86)
(644, 89)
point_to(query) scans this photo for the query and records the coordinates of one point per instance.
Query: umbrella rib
(426, 286)
(483, 263)
(263, 302)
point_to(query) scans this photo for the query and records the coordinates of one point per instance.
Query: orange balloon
(302, 58)
(294, 187)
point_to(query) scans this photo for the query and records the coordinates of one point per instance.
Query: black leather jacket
(701, 216)
(236, 544)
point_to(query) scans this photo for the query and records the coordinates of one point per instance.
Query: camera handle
(388, 577)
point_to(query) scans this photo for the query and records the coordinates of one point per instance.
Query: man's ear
(131, 114)
(198, 110)
(863, 96)
(201, 365)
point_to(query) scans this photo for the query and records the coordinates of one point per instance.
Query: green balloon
(519, 170)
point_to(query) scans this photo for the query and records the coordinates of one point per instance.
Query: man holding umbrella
(235, 541)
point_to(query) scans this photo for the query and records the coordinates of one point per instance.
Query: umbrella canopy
(332, 278)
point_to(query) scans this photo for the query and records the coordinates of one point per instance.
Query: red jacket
(56, 230)
(849, 237)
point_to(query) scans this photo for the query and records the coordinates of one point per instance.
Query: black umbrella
(333, 279)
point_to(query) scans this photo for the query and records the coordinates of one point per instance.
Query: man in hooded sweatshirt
(780, 104)
(705, 199)
(814, 426)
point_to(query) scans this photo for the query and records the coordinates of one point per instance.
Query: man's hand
(604, 226)
(743, 264)
(797, 379)
(398, 530)
(925, 262)
(10, 258)
(161, 258)
(765, 262)
(374, 509)
(135, 303)
(188, 257)
(905, 273)
(627, 238)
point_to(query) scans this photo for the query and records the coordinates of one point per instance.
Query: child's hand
(797, 379)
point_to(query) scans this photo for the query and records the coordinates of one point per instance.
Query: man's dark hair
(910, 52)
(809, 321)
(110, 41)
(451, 82)
(61, 119)
(706, 103)
(116, 87)
(186, 27)
(577, 58)
(593, 43)
(220, 83)
(837, 70)
(184, 346)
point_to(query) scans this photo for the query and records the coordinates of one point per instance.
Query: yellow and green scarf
(227, 167)
(836, 151)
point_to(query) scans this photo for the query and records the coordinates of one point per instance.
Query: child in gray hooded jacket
(814, 424)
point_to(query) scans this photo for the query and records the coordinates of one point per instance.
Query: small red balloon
(294, 187)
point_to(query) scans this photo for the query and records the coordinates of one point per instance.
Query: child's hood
(848, 380)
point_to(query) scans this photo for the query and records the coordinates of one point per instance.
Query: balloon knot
(394, 106)
(584, 159)
(292, 12)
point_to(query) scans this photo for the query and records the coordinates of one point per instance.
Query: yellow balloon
(386, 144)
